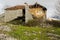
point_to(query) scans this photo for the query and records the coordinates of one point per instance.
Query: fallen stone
(5, 28)
(2, 37)
(6, 37)
(53, 35)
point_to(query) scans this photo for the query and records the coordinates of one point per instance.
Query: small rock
(52, 30)
(39, 32)
(27, 33)
(6, 37)
(5, 28)
(11, 38)
(34, 33)
(35, 39)
(53, 35)
(2, 36)
(52, 38)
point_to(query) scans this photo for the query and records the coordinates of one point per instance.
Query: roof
(36, 5)
(16, 7)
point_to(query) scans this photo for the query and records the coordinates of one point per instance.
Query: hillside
(20, 32)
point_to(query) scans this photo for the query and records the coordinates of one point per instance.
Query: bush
(35, 22)
(54, 23)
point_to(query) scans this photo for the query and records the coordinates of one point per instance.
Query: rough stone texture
(5, 28)
(2, 37)
(53, 36)
(28, 15)
(27, 33)
(35, 39)
(10, 38)
(6, 37)
(2, 18)
(12, 14)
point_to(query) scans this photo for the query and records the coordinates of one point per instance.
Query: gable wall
(37, 12)
(12, 14)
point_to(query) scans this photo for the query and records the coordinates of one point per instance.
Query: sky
(49, 4)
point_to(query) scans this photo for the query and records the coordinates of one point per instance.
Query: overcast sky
(49, 4)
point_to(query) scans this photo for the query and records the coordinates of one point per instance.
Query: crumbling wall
(12, 14)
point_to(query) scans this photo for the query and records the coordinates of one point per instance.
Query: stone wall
(12, 14)
(2, 17)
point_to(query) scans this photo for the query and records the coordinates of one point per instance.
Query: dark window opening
(23, 18)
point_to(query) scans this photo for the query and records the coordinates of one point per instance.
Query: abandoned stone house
(25, 12)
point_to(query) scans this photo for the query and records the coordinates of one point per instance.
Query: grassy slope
(31, 33)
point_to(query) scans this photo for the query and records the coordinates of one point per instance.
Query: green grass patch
(29, 33)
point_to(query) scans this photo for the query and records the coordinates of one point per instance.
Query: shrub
(35, 22)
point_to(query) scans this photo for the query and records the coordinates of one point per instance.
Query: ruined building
(25, 12)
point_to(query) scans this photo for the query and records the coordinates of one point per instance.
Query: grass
(29, 33)
(32, 33)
